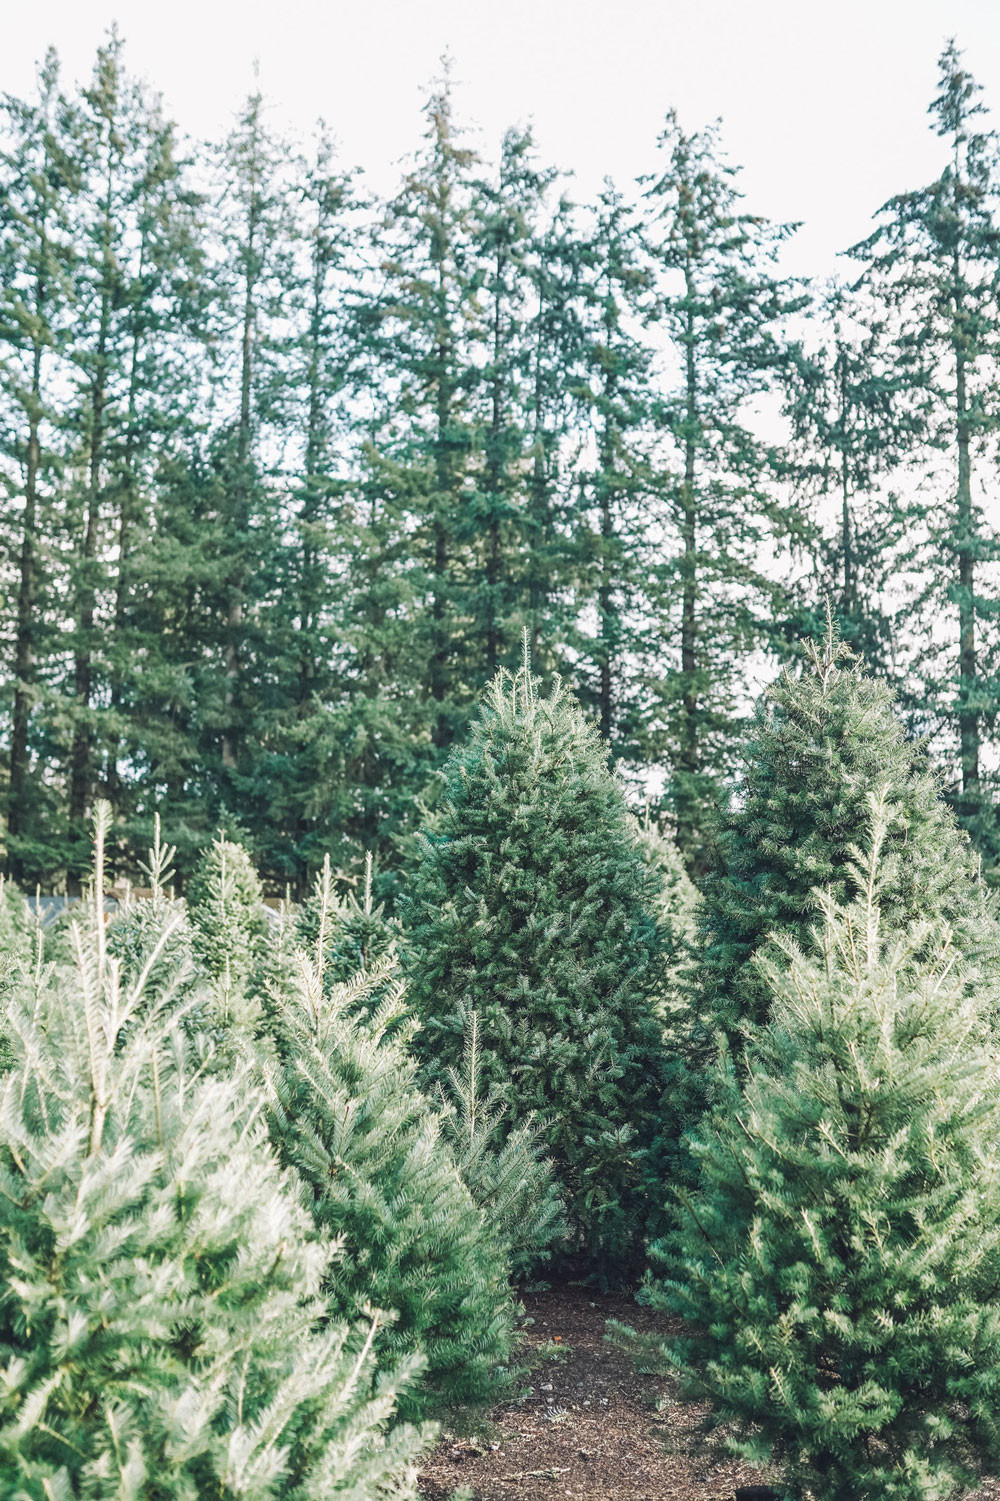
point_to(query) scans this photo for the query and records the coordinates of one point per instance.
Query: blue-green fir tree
(531, 906)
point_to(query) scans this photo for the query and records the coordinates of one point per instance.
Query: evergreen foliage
(162, 1330)
(822, 741)
(507, 1176)
(531, 906)
(226, 906)
(838, 1262)
(345, 1113)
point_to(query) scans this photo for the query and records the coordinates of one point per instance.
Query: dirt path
(589, 1429)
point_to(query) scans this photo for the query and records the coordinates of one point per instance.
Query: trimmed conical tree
(226, 905)
(839, 1260)
(823, 742)
(531, 906)
(162, 1329)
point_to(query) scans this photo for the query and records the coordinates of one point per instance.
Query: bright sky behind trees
(824, 104)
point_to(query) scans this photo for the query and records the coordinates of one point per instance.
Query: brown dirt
(589, 1428)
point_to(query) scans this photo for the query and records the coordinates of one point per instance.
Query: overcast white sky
(823, 103)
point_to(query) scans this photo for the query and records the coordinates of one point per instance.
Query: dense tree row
(290, 471)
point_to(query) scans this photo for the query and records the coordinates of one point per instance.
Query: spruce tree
(839, 1260)
(532, 907)
(822, 741)
(162, 1330)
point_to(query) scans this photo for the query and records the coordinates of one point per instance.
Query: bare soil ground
(589, 1429)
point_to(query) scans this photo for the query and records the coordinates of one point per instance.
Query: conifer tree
(426, 324)
(932, 262)
(723, 304)
(531, 906)
(508, 1175)
(226, 905)
(162, 1330)
(839, 1259)
(346, 1115)
(821, 742)
(851, 427)
(616, 524)
(39, 181)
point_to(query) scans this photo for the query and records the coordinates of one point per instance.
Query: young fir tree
(723, 306)
(931, 262)
(531, 906)
(346, 1115)
(821, 741)
(507, 1174)
(838, 1263)
(226, 907)
(162, 1330)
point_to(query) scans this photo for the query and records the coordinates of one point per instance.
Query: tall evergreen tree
(38, 186)
(932, 260)
(617, 528)
(851, 426)
(723, 305)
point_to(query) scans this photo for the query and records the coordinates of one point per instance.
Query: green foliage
(162, 1330)
(839, 1261)
(226, 907)
(532, 907)
(346, 1115)
(822, 741)
(508, 1176)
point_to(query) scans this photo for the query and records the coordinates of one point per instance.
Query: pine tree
(531, 906)
(932, 262)
(821, 742)
(509, 218)
(162, 1330)
(346, 1115)
(426, 326)
(838, 1262)
(723, 306)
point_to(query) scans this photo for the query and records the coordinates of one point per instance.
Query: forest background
(295, 456)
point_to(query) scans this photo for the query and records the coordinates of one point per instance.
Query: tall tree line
(290, 471)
